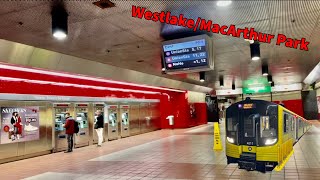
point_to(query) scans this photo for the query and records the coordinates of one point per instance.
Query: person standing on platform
(69, 131)
(99, 127)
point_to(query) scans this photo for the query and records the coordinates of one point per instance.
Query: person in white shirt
(99, 127)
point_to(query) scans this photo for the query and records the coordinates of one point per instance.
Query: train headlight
(270, 141)
(230, 140)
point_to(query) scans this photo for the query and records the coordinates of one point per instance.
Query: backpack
(76, 127)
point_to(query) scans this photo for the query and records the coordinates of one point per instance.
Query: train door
(249, 127)
(82, 138)
(60, 137)
(124, 125)
(113, 122)
(99, 107)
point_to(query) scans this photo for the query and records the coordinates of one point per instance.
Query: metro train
(260, 135)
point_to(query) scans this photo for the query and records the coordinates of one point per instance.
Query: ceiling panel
(112, 36)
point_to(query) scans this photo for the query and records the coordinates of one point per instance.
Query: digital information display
(185, 55)
(246, 106)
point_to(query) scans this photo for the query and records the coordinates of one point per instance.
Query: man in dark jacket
(69, 131)
(99, 127)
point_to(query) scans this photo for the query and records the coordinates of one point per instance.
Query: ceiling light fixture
(59, 22)
(223, 3)
(233, 84)
(202, 76)
(255, 51)
(270, 79)
(265, 70)
(272, 84)
(221, 81)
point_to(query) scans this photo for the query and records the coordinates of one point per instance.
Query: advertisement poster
(19, 124)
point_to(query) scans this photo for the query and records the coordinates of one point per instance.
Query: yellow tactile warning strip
(281, 166)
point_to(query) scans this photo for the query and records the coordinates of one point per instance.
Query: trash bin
(171, 120)
(148, 120)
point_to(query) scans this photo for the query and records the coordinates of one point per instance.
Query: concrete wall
(280, 96)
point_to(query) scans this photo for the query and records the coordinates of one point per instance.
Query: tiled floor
(165, 154)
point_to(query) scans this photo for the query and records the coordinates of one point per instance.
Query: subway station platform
(163, 154)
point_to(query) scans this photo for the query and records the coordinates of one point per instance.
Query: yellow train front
(260, 135)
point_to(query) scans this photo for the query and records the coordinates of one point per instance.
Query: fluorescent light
(76, 85)
(201, 80)
(59, 35)
(223, 3)
(63, 74)
(265, 74)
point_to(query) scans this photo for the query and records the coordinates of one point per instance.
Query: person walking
(69, 131)
(99, 127)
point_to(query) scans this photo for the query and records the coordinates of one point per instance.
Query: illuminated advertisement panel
(19, 124)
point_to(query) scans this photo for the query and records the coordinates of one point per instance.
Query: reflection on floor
(165, 154)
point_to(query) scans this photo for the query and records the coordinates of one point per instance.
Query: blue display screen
(183, 55)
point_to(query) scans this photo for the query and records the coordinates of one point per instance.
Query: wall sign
(254, 90)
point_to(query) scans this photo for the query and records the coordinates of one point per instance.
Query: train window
(267, 128)
(249, 125)
(285, 117)
(232, 124)
(232, 128)
(300, 123)
(293, 123)
(288, 122)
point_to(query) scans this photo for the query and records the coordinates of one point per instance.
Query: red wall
(201, 114)
(171, 103)
(294, 105)
(176, 105)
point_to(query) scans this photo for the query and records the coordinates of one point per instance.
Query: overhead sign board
(191, 54)
(254, 90)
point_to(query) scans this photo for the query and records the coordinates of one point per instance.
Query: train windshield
(255, 126)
